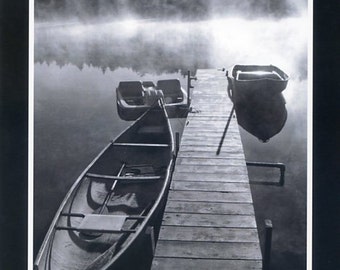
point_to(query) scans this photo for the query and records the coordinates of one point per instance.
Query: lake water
(78, 66)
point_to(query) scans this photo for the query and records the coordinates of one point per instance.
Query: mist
(86, 11)
(172, 36)
(158, 47)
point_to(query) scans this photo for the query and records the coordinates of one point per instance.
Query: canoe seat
(131, 88)
(99, 223)
(151, 130)
(132, 92)
(102, 223)
(170, 87)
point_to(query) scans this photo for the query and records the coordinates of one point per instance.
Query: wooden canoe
(104, 216)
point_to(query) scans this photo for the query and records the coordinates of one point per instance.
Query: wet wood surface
(209, 220)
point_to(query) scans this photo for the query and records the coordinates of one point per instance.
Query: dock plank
(211, 155)
(211, 161)
(209, 208)
(208, 250)
(204, 186)
(160, 263)
(212, 234)
(231, 170)
(190, 139)
(209, 177)
(209, 220)
(213, 196)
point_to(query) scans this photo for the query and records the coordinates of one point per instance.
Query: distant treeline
(161, 9)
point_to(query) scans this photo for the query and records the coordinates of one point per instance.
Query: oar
(108, 195)
(103, 206)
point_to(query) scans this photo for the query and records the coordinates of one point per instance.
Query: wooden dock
(209, 220)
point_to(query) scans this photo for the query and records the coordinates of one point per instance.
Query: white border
(30, 134)
(310, 139)
(31, 138)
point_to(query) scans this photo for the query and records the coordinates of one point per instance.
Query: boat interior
(254, 72)
(134, 92)
(106, 208)
(257, 75)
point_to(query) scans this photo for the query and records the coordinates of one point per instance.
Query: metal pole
(267, 244)
(188, 87)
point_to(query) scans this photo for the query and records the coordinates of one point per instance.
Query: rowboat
(106, 214)
(245, 81)
(135, 97)
(256, 92)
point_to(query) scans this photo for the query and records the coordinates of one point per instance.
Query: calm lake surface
(78, 66)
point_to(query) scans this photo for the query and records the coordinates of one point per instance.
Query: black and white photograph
(171, 134)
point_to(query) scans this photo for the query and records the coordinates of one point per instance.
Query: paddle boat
(135, 97)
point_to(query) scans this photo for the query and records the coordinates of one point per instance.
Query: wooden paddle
(108, 195)
(101, 209)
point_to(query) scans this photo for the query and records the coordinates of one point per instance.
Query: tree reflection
(109, 47)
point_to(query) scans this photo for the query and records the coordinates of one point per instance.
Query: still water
(78, 66)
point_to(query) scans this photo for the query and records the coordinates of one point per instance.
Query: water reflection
(143, 46)
(262, 118)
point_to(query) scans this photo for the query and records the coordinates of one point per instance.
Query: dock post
(150, 232)
(177, 142)
(267, 244)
